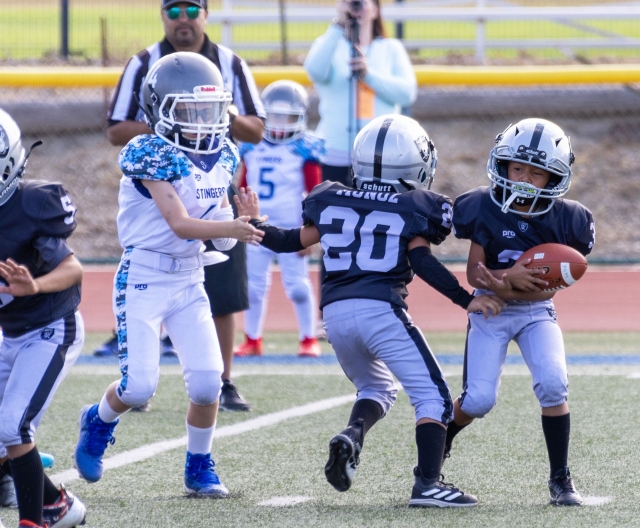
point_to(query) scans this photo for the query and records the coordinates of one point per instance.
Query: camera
(355, 5)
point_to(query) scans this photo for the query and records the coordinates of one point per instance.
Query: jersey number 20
(379, 223)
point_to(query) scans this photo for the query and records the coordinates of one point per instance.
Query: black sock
(364, 415)
(452, 430)
(430, 438)
(51, 493)
(556, 434)
(28, 477)
(5, 468)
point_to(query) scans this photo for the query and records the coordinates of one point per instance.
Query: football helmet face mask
(185, 103)
(393, 153)
(12, 156)
(286, 104)
(539, 143)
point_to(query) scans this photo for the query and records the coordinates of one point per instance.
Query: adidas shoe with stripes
(434, 493)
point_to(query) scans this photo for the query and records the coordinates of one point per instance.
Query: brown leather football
(562, 265)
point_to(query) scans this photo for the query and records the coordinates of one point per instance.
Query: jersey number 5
(68, 206)
(378, 223)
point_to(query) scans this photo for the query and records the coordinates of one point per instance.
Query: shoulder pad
(437, 210)
(229, 157)
(50, 206)
(321, 187)
(148, 157)
(244, 148)
(466, 209)
(308, 147)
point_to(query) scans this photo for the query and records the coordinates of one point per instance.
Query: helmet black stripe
(377, 156)
(537, 134)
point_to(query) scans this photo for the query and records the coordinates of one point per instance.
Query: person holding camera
(359, 74)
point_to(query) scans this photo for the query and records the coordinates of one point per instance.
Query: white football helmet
(535, 142)
(12, 156)
(285, 103)
(393, 153)
(185, 103)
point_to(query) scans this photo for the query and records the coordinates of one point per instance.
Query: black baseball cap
(200, 3)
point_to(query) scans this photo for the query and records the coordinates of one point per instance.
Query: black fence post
(399, 25)
(64, 29)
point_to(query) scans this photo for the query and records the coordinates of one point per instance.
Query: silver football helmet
(12, 156)
(535, 142)
(185, 103)
(393, 153)
(286, 104)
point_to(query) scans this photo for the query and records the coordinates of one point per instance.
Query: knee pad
(9, 427)
(478, 399)
(298, 293)
(137, 392)
(203, 387)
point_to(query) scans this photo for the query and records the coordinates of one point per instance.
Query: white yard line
(142, 453)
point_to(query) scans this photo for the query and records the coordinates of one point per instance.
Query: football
(562, 265)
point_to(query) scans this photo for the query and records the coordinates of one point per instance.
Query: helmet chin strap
(512, 198)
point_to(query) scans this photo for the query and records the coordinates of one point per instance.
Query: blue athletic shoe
(200, 478)
(95, 436)
(108, 348)
(47, 460)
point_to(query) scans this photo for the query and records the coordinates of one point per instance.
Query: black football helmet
(185, 103)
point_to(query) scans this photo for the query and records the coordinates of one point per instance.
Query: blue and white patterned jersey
(201, 182)
(506, 236)
(274, 171)
(365, 237)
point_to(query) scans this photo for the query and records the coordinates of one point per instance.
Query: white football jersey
(274, 171)
(200, 181)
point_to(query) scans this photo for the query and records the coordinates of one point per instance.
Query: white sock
(199, 440)
(106, 413)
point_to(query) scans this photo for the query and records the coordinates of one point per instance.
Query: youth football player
(172, 197)
(375, 237)
(43, 330)
(284, 167)
(530, 170)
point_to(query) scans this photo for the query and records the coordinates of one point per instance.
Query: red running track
(605, 300)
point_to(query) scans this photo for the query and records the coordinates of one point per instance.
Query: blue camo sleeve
(308, 147)
(229, 158)
(244, 148)
(147, 157)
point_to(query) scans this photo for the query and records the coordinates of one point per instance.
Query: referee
(184, 23)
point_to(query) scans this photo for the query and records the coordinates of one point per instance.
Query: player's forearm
(248, 129)
(194, 229)
(279, 240)
(68, 273)
(434, 273)
(121, 133)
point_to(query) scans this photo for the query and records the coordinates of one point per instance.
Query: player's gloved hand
(248, 204)
(245, 232)
(19, 280)
(487, 304)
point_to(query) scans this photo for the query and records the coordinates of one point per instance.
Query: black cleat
(562, 492)
(166, 347)
(434, 493)
(344, 457)
(108, 348)
(230, 398)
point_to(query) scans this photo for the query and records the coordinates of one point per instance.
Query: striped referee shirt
(235, 74)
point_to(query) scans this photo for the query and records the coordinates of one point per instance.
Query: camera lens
(356, 5)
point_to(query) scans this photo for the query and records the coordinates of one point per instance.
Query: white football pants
(294, 271)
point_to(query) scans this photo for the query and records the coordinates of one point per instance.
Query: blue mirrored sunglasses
(173, 13)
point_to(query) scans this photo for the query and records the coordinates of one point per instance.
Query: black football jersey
(34, 224)
(365, 235)
(506, 236)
